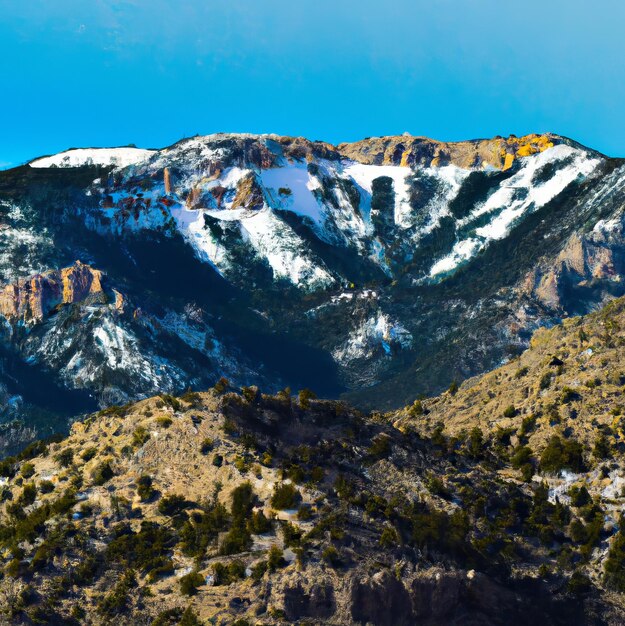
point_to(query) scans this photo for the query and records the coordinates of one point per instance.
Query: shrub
(189, 618)
(190, 582)
(568, 395)
(475, 444)
(579, 496)
(304, 513)
(46, 486)
(140, 436)
(172, 504)
(207, 446)
(317, 474)
(236, 541)
(614, 568)
(218, 460)
(65, 458)
(202, 529)
(453, 387)
(579, 583)
(164, 421)
(102, 473)
(510, 411)
(285, 496)
(275, 558)
(545, 380)
(291, 534)
(380, 446)
(28, 469)
(389, 537)
(258, 523)
(416, 409)
(562, 454)
(116, 601)
(251, 394)
(305, 396)
(602, 449)
(145, 491)
(331, 556)
(242, 501)
(527, 425)
(88, 454)
(258, 570)
(228, 574)
(29, 494)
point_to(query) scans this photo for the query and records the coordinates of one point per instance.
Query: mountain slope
(271, 509)
(379, 269)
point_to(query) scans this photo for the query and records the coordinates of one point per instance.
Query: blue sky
(148, 72)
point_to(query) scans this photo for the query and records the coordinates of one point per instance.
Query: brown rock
(33, 298)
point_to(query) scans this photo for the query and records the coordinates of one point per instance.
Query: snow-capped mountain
(379, 268)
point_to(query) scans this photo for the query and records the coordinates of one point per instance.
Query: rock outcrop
(31, 299)
(408, 151)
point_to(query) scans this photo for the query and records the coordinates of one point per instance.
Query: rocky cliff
(31, 299)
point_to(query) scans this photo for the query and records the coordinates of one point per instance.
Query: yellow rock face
(33, 298)
(498, 152)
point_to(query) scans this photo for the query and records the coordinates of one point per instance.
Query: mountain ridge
(242, 253)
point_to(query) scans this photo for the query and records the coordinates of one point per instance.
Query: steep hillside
(379, 270)
(499, 502)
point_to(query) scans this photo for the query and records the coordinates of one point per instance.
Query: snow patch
(119, 157)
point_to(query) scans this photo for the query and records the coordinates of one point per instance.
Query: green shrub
(237, 540)
(172, 505)
(29, 494)
(258, 570)
(190, 582)
(304, 397)
(510, 411)
(275, 558)
(285, 496)
(602, 448)
(46, 486)
(389, 538)
(579, 496)
(140, 436)
(562, 454)
(116, 601)
(545, 380)
(65, 458)
(88, 454)
(145, 491)
(228, 574)
(380, 446)
(614, 567)
(221, 386)
(102, 473)
(28, 469)
(331, 556)
(258, 524)
(164, 421)
(207, 446)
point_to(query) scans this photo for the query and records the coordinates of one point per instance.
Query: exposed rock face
(32, 299)
(249, 194)
(439, 597)
(407, 151)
